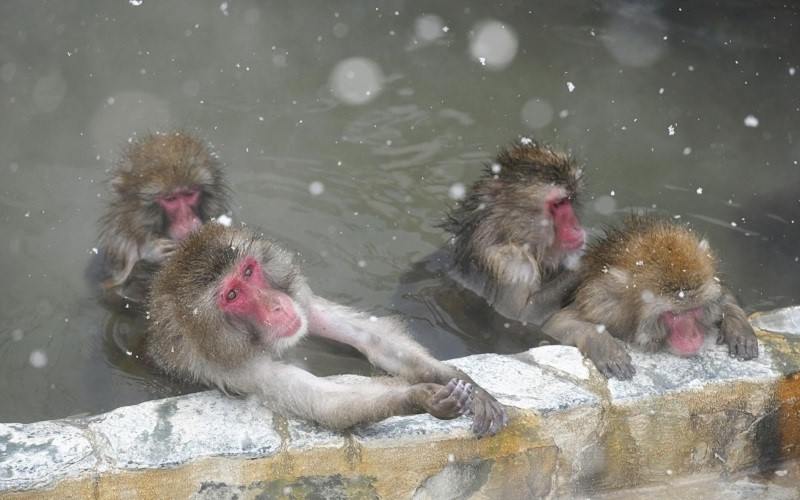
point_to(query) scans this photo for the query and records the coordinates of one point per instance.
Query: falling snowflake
(750, 121)
(457, 191)
(316, 188)
(570, 86)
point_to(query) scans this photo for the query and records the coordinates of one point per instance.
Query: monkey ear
(703, 245)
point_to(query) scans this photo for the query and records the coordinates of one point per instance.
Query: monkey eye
(249, 271)
(231, 296)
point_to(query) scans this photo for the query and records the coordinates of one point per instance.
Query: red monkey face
(247, 296)
(181, 209)
(569, 235)
(685, 331)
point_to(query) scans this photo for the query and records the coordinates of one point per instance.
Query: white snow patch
(316, 188)
(38, 359)
(750, 121)
(494, 44)
(457, 191)
(224, 220)
(428, 28)
(604, 204)
(537, 113)
(356, 80)
(564, 358)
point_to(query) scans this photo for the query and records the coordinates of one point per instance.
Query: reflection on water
(346, 129)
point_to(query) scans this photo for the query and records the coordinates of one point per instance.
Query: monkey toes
(610, 357)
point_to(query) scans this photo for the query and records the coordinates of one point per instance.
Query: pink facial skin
(246, 294)
(569, 234)
(686, 334)
(181, 209)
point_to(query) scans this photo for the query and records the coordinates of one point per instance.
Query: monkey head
(229, 295)
(168, 185)
(655, 279)
(528, 197)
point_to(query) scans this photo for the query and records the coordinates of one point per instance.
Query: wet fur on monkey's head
(510, 204)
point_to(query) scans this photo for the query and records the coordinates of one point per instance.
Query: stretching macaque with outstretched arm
(651, 283)
(165, 187)
(227, 305)
(516, 237)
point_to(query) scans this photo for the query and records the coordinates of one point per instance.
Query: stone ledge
(571, 431)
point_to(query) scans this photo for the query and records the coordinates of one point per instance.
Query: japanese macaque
(164, 188)
(651, 283)
(228, 304)
(516, 237)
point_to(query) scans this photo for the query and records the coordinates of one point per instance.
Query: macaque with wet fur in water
(228, 304)
(164, 188)
(516, 238)
(652, 283)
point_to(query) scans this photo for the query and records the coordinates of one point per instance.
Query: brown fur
(630, 278)
(154, 165)
(658, 254)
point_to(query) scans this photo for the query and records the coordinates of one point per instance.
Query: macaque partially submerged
(228, 304)
(651, 283)
(516, 238)
(164, 188)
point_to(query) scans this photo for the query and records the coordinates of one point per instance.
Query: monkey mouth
(290, 328)
(573, 241)
(686, 334)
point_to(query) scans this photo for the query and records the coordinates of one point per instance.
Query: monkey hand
(157, 251)
(610, 357)
(445, 402)
(740, 337)
(488, 415)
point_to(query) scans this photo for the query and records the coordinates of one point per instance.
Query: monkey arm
(339, 405)
(593, 341)
(382, 340)
(550, 297)
(386, 345)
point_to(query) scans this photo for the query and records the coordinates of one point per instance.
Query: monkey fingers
(743, 346)
(158, 250)
(444, 402)
(489, 416)
(610, 357)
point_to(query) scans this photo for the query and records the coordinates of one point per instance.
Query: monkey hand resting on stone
(165, 187)
(227, 305)
(516, 238)
(651, 283)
